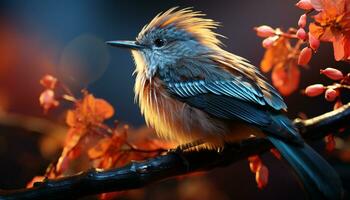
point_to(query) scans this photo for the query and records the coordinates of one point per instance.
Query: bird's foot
(187, 146)
(179, 151)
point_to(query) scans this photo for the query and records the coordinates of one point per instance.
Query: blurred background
(66, 38)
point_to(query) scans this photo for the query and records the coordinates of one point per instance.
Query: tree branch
(139, 174)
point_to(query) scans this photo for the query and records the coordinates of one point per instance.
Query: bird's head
(170, 37)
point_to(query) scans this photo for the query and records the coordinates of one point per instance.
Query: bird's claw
(179, 151)
(176, 150)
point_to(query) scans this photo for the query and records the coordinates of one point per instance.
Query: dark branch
(139, 174)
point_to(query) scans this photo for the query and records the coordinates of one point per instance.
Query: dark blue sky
(62, 23)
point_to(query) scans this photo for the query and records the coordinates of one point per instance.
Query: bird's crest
(188, 20)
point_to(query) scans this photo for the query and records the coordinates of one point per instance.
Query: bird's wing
(235, 99)
(236, 88)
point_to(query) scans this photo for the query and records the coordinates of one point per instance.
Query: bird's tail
(318, 178)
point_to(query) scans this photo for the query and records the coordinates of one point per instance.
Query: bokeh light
(83, 61)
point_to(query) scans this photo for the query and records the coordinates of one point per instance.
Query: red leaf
(254, 163)
(262, 176)
(276, 153)
(330, 142)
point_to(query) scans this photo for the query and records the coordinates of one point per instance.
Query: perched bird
(190, 89)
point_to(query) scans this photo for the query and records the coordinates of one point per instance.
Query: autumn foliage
(330, 22)
(92, 142)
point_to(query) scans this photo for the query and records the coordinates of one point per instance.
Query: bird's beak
(125, 44)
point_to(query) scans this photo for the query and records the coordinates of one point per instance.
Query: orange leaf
(286, 78)
(338, 48)
(71, 118)
(89, 110)
(346, 42)
(106, 162)
(334, 7)
(275, 54)
(34, 180)
(103, 108)
(332, 25)
(254, 163)
(100, 149)
(62, 164)
(268, 61)
(316, 31)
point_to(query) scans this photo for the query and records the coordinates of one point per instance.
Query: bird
(190, 89)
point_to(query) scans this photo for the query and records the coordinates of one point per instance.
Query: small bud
(47, 100)
(330, 94)
(48, 81)
(314, 90)
(314, 42)
(302, 21)
(268, 42)
(332, 73)
(305, 56)
(301, 34)
(264, 31)
(304, 4)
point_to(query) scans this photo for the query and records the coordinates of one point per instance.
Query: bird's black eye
(159, 42)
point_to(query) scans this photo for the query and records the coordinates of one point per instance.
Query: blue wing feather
(230, 88)
(234, 109)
